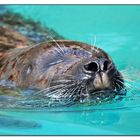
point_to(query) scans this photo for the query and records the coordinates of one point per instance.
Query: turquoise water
(116, 30)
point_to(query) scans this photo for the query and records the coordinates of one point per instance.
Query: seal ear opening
(29, 69)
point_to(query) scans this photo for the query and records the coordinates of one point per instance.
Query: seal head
(64, 69)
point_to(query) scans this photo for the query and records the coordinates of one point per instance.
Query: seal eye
(29, 69)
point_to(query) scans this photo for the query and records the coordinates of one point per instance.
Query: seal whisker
(125, 84)
(57, 62)
(65, 81)
(50, 88)
(87, 92)
(70, 95)
(125, 78)
(94, 41)
(76, 88)
(58, 51)
(79, 90)
(68, 92)
(56, 87)
(49, 93)
(119, 80)
(62, 52)
(73, 90)
(46, 90)
(118, 85)
(55, 93)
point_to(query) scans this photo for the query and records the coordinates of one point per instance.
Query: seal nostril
(92, 66)
(105, 65)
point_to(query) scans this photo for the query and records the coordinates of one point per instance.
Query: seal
(60, 69)
(65, 69)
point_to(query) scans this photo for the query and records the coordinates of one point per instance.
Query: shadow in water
(7, 122)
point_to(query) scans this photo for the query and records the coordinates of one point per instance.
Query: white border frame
(70, 2)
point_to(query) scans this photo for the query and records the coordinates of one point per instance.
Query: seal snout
(99, 72)
(101, 81)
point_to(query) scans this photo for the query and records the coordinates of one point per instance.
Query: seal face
(63, 69)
